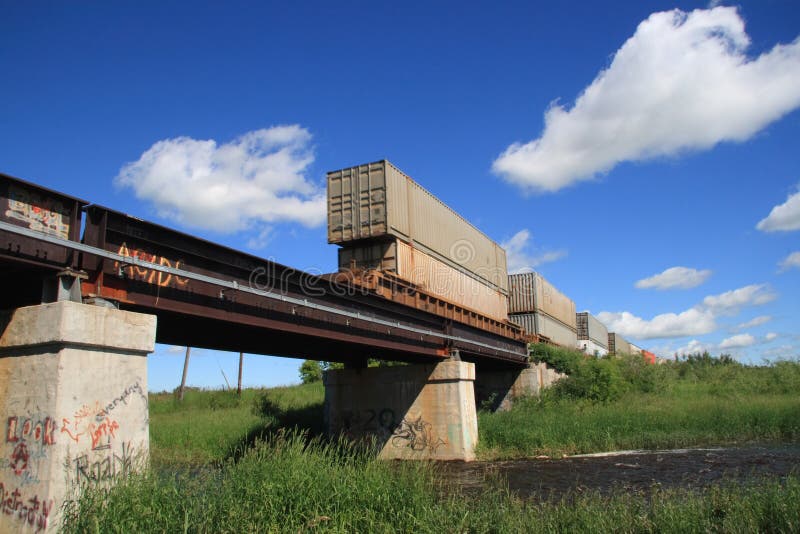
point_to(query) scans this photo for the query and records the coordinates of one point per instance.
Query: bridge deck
(208, 295)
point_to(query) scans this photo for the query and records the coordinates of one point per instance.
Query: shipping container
(635, 349)
(617, 344)
(545, 326)
(649, 357)
(591, 329)
(430, 274)
(377, 200)
(530, 292)
(590, 347)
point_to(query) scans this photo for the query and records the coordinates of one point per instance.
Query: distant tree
(310, 371)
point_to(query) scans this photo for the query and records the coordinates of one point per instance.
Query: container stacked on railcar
(541, 309)
(592, 334)
(617, 344)
(387, 223)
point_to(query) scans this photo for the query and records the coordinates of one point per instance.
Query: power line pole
(239, 387)
(185, 370)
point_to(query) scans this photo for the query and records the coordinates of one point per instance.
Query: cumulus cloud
(737, 341)
(691, 322)
(698, 320)
(694, 347)
(783, 217)
(675, 278)
(731, 301)
(258, 178)
(755, 321)
(771, 336)
(682, 82)
(792, 261)
(520, 259)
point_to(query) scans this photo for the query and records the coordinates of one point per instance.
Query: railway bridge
(87, 291)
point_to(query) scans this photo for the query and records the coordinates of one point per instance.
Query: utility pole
(239, 387)
(185, 370)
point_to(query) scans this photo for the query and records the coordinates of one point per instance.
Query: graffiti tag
(416, 435)
(150, 276)
(31, 510)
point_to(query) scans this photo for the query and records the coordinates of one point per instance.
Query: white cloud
(783, 217)
(694, 347)
(698, 320)
(520, 260)
(770, 336)
(176, 349)
(737, 341)
(731, 301)
(691, 322)
(682, 82)
(258, 178)
(675, 278)
(755, 321)
(792, 261)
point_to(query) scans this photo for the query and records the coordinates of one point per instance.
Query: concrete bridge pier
(419, 412)
(73, 405)
(496, 390)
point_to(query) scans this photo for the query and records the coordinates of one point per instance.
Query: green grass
(210, 426)
(227, 464)
(695, 403)
(288, 484)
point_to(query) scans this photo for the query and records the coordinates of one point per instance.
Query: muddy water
(627, 470)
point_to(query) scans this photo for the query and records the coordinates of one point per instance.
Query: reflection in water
(628, 470)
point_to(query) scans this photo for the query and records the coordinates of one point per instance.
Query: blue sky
(644, 160)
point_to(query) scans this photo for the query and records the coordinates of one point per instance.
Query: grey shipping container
(617, 344)
(427, 272)
(530, 292)
(591, 329)
(542, 325)
(377, 200)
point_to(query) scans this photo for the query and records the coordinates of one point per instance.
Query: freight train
(401, 242)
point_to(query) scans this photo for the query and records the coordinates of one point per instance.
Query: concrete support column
(73, 406)
(496, 390)
(420, 412)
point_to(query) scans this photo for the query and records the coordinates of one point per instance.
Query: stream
(545, 478)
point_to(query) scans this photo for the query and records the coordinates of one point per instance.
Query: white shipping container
(430, 274)
(531, 292)
(590, 328)
(617, 344)
(377, 200)
(545, 326)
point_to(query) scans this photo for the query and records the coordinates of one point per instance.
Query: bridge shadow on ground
(277, 420)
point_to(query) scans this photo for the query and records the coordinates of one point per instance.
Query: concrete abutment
(73, 406)
(496, 390)
(419, 412)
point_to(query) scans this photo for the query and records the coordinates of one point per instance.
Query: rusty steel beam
(209, 295)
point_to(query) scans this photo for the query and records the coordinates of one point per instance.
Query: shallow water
(626, 470)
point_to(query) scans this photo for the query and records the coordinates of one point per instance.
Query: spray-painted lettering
(108, 468)
(30, 429)
(28, 509)
(93, 422)
(150, 276)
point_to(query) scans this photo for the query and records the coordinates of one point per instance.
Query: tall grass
(624, 403)
(290, 484)
(209, 426)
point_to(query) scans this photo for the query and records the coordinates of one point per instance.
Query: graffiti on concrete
(30, 429)
(381, 422)
(150, 276)
(24, 508)
(90, 421)
(110, 467)
(123, 398)
(37, 212)
(417, 435)
(27, 439)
